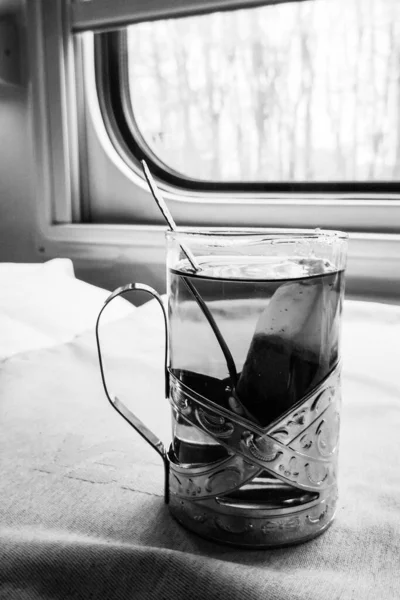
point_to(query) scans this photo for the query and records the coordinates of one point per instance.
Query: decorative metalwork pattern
(261, 529)
(213, 480)
(300, 449)
(214, 424)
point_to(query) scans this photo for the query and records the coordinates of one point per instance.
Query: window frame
(111, 56)
(102, 15)
(213, 204)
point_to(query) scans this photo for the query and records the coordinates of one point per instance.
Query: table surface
(82, 512)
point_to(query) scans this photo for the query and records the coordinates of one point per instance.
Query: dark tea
(280, 319)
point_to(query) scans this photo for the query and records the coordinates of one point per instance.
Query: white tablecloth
(82, 512)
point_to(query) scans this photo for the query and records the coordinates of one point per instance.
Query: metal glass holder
(299, 449)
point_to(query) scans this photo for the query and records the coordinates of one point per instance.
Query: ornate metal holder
(300, 449)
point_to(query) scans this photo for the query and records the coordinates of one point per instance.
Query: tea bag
(288, 350)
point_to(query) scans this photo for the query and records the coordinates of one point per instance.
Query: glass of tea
(254, 368)
(253, 378)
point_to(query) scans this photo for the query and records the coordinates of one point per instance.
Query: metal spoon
(166, 214)
(203, 306)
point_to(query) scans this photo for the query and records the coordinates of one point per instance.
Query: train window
(250, 113)
(281, 113)
(291, 92)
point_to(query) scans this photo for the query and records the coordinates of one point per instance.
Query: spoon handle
(167, 215)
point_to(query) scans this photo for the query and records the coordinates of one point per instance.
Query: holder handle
(132, 419)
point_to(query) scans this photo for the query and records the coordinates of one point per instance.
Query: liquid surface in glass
(280, 319)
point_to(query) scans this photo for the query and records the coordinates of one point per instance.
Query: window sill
(373, 268)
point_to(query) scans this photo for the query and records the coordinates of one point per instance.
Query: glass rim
(267, 234)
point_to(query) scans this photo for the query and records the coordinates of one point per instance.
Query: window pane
(306, 91)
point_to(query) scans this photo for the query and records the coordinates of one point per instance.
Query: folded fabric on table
(44, 304)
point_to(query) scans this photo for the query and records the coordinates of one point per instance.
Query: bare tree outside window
(287, 92)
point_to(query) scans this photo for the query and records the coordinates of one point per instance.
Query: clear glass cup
(254, 363)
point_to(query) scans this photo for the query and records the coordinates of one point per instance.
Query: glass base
(256, 527)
